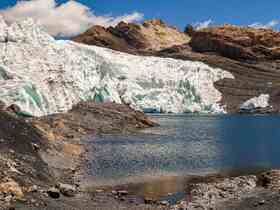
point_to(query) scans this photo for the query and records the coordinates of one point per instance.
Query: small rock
(67, 190)
(182, 205)
(164, 203)
(35, 147)
(8, 198)
(114, 192)
(262, 202)
(99, 191)
(53, 193)
(73, 170)
(33, 188)
(149, 201)
(122, 192)
(12, 151)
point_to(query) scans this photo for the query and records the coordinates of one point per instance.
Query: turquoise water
(189, 145)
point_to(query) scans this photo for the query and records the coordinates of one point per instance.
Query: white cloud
(270, 24)
(203, 24)
(68, 19)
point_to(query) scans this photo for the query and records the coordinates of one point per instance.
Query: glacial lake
(186, 145)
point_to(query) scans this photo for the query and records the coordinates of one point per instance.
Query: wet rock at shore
(67, 189)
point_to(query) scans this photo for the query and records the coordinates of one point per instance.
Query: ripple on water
(185, 145)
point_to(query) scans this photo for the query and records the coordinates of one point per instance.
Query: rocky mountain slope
(250, 55)
(130, 37)
(42, 76)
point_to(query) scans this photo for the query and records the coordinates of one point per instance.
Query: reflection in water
(160, 187)
(185, 145)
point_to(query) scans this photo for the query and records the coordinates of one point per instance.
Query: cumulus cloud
(203, 24)
(68, 19)
(270, 24)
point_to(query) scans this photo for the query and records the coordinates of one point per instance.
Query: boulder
(53, 193)
(11, 187)
(67, 189)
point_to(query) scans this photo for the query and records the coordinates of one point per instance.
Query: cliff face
(238, 43)
(129, 37)
(251, 55)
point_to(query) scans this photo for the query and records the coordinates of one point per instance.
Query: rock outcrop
(239, 43)
(152, 35)
(87, 118)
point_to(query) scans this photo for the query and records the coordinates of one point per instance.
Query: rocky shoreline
(41, 158)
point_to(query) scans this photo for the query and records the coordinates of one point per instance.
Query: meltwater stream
(187, 145)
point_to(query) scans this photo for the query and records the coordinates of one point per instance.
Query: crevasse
(44, 76)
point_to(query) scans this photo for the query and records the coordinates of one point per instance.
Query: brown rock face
(238, 43)
(129, 37)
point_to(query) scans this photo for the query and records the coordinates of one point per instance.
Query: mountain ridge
(129, 37)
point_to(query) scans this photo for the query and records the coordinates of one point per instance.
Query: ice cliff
(43, 76)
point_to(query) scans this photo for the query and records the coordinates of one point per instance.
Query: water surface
(187, 145)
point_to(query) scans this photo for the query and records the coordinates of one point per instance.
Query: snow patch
(44, 76)
(262, 101)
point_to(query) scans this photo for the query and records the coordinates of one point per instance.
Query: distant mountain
(251, 55)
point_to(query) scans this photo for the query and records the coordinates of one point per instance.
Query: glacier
(43, 75)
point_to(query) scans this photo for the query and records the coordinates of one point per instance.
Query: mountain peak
(154, 22)
(151, 35)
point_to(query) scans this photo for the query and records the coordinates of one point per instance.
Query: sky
(81, 14)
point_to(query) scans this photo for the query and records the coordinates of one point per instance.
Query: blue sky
(181, 12)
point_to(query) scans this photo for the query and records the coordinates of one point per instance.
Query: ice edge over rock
(44, 76)
(262, 101)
